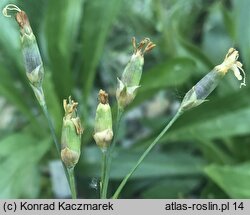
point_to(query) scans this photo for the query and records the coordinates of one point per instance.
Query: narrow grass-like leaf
(241, 14)
(9, 90)
(98, 18)
(190, 50)
(9, 39)
(218, 118)
(156, 165)
(173, 73)
(171, 188)
(62, 26)
(215, 34)
(19, 154)
(53, 103)
(234, 180)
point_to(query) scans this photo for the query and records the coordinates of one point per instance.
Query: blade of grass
(13, 95)
(61, 28)
(229, 118)
(94, 34)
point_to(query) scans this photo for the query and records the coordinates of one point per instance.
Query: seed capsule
(71, 134)
(103, 122)
(31, 54)
(131, 76)
(209, 82)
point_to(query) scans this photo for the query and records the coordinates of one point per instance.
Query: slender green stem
(51, 127)
(72, 182)
(219, 154)
(104, 165)
(146, 152)
(117, 126)
(110, 152)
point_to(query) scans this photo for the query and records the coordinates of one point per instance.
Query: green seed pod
(209, 82)
(201, 90)
(31, 54)
(71, 135)
(103, 122)
(131, 76)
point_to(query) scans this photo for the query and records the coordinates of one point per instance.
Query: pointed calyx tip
(103, 97)
(144, 46)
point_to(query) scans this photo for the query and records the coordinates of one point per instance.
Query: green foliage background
(85, 45)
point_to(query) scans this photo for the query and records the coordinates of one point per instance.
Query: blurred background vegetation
(85, 45)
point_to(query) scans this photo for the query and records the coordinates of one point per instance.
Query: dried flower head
(103, 122)
(231, 63)
(209, 82)
(31, 54)
(10, 7)
(71, 134)
(131, 75)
